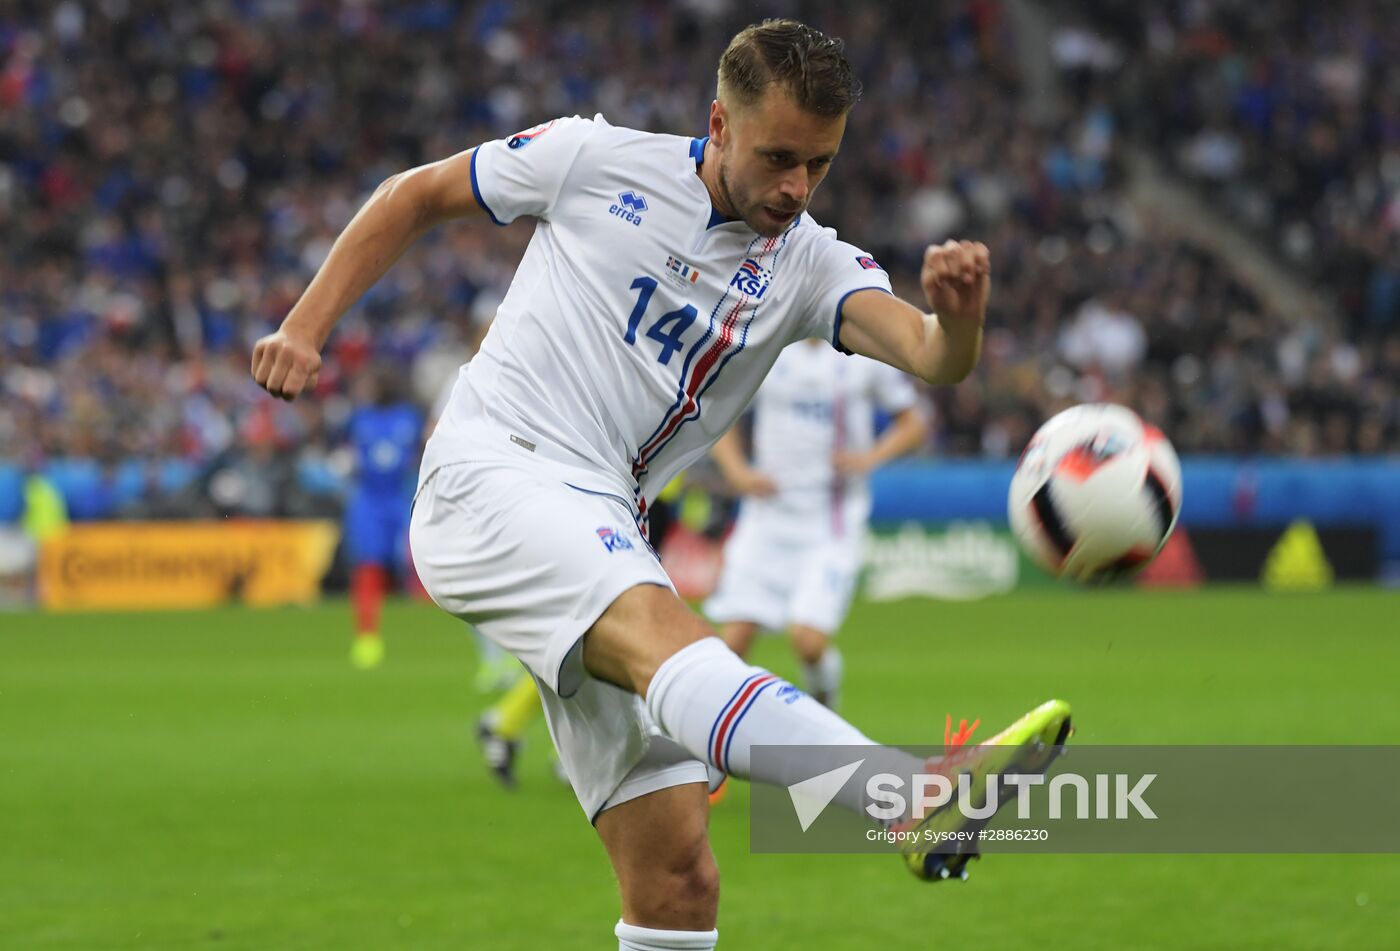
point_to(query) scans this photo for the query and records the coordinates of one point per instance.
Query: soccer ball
(1096, 493)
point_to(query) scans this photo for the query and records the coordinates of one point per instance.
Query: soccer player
(793, 558)
(384, 432)
(664, 277)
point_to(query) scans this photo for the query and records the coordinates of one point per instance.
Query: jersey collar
(697, 152)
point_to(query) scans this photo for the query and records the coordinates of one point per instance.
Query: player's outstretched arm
(938, 347)
(401, 210)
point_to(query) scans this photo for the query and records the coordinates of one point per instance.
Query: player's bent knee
(682, 895)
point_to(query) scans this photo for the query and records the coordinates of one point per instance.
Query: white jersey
(640, 323)
(814, 404)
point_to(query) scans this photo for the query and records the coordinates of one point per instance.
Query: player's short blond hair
(806, 63)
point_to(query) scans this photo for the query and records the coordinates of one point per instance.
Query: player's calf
(660, 850)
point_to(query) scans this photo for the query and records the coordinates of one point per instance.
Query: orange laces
(951, 739)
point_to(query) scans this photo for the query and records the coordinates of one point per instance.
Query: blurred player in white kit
(794, 556)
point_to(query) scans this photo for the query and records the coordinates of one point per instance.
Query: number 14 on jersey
(667, 330)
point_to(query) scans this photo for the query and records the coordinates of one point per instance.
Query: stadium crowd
(1287, 117)
(172, 175)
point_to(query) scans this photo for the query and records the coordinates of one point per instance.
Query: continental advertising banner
(955, 561)
(977, 558)
(141, 565)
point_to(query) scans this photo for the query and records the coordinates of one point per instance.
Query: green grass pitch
(225, 780)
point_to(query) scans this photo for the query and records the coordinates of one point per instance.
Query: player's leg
(496, 670)
(718, 708)
(666, 873)
(561, 579)
(646, 796)
(821, 661)
(531, 563)
(370, 548)
(738, 636)
(501, 728)
(821, 597)
(710, 701)
(754, 586)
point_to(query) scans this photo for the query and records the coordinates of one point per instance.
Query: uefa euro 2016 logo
(751, 279)
(522, 139)
(613, 540)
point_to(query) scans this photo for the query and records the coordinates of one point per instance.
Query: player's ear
(719, 122)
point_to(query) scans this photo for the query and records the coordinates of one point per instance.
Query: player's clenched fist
(285, 364)
(957, 277)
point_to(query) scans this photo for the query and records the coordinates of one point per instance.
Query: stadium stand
(180, 170)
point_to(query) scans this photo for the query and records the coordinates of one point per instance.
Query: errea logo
(629, 207)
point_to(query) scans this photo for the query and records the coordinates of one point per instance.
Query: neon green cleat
(1027, 746)
(367, 651)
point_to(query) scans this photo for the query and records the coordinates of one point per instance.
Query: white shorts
(777, 579)
(531, 563)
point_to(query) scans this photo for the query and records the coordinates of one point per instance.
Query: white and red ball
(1096, 493)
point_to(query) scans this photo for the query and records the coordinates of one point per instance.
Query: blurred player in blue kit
(385, 431)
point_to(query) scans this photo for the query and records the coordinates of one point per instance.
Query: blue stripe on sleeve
(836, 330)
(476, 193)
